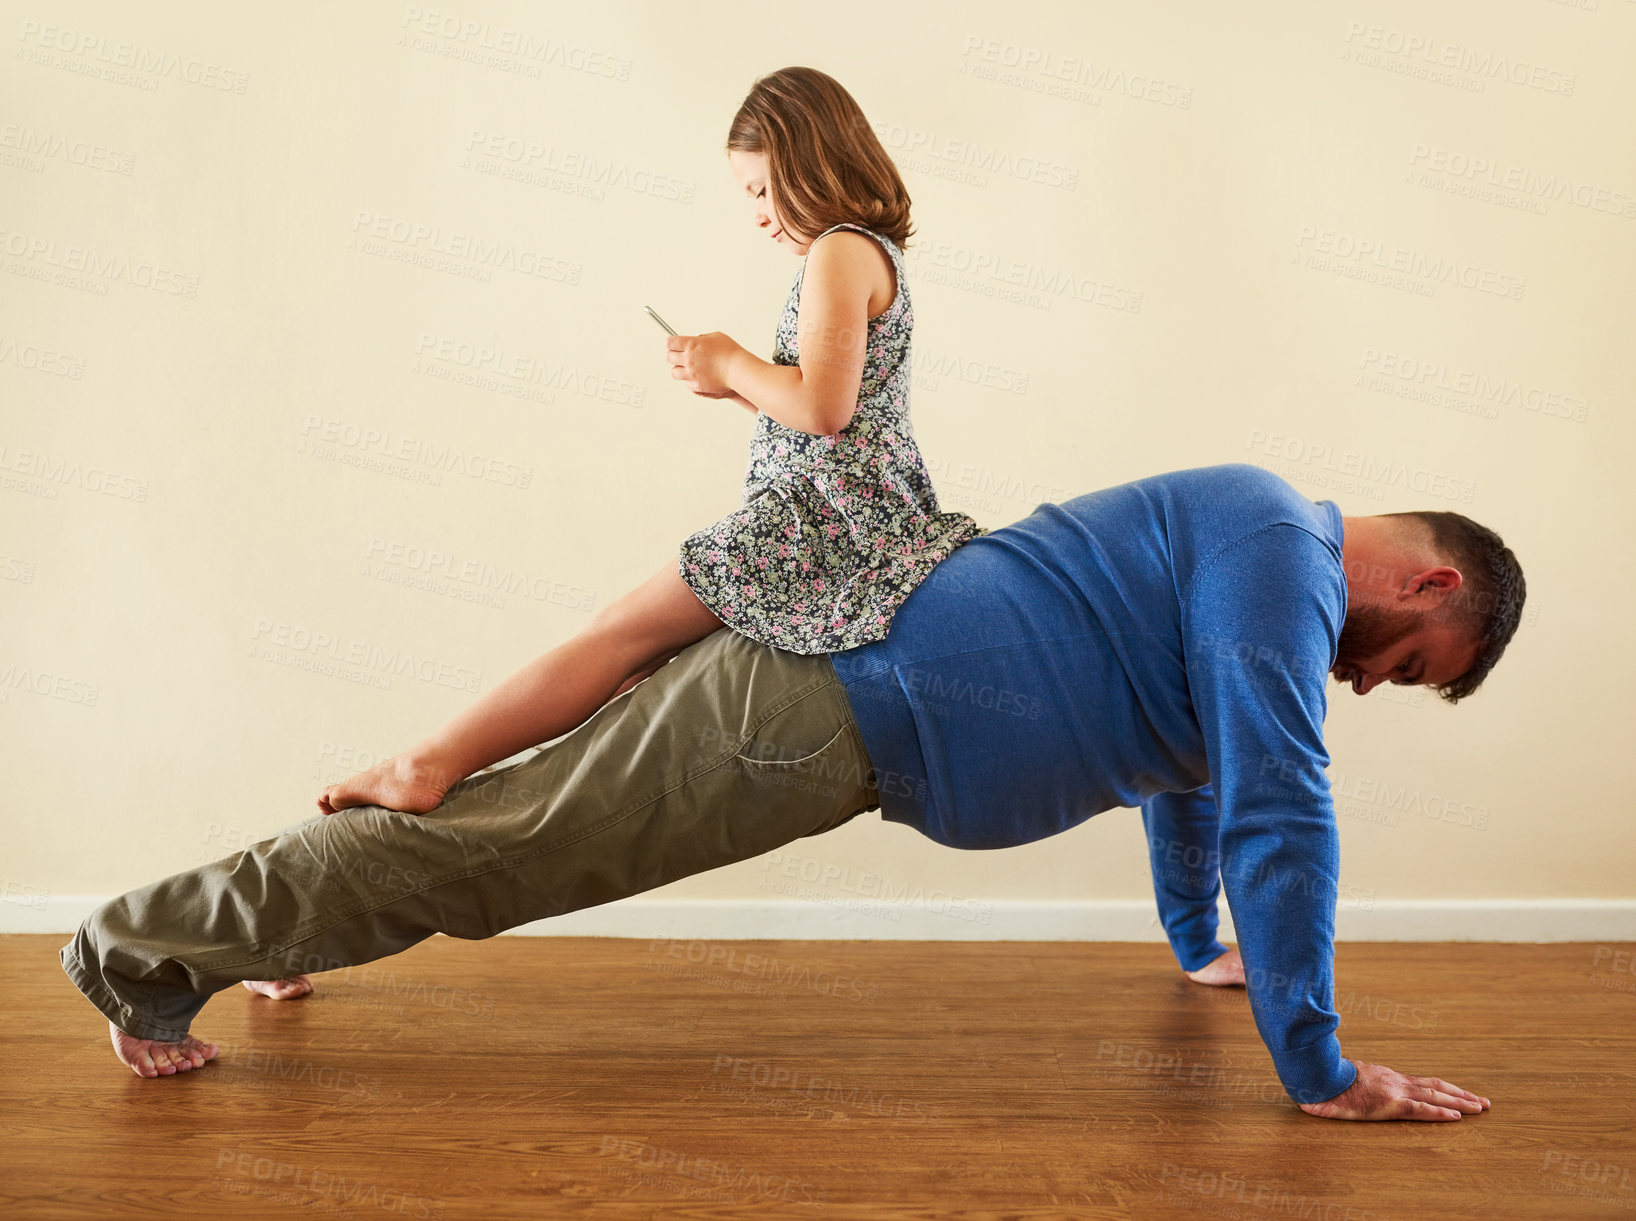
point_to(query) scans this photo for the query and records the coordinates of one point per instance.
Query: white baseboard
(1525, 920)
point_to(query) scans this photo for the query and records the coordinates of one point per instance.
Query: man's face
(1400, 645)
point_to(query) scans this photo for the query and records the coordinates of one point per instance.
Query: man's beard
(1371, 630)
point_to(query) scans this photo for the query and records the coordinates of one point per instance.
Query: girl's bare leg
(645, 673)
(556, 692)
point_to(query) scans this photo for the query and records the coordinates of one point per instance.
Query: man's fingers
(1454, 1089)
(1458, 1102)
(1418, 1109)
(1432, 1103)
(1437, 1083)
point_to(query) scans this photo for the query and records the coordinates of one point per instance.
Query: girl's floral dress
(835, 531)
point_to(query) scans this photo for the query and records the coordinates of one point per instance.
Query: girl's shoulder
(856, 262)
(855, 227)
(894, 256)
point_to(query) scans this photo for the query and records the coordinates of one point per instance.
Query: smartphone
(659, 320)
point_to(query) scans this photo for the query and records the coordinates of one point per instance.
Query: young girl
(839, 520)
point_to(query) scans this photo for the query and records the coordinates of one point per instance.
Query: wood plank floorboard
(609, 1078)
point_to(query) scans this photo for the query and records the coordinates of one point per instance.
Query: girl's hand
(700, 362)
(731, 396)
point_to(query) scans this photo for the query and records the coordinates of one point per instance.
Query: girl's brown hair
(825, 164)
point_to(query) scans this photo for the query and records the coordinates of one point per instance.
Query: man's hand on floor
(1381, 1093)
(1220, 972)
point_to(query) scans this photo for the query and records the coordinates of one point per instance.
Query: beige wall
(196, 301)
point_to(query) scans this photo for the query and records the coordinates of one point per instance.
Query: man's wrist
(1316, 1072)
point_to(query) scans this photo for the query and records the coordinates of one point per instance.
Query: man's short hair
(1490, 597)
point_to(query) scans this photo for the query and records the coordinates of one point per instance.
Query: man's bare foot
(151, 1058)
(1223, 971)
(280, 989)
(399, 783)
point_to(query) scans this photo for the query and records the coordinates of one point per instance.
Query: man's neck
(1377, 558)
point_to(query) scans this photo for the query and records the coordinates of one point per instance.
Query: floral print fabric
(835, 531)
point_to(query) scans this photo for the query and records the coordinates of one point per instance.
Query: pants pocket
(809, 751)
(770, 753)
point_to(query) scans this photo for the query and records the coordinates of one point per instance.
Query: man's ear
(1441, 581)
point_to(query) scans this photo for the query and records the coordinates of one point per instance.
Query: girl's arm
(820, 394)
(733, 396)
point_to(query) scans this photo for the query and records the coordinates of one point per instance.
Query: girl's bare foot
(151, 1058)
(280, 989)
(399, 783)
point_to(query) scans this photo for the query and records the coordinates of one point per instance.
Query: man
(1164, 643)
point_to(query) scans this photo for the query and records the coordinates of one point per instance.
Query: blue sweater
(1162, 644)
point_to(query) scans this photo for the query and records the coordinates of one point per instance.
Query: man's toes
(280, 989)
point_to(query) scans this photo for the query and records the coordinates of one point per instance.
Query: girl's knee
(643, 628)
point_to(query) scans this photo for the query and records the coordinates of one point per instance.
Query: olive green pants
(726, 753)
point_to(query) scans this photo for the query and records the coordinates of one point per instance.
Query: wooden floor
(589, 1077)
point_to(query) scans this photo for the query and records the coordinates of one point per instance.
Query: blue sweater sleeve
(1259, 629)
(1182, 844)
